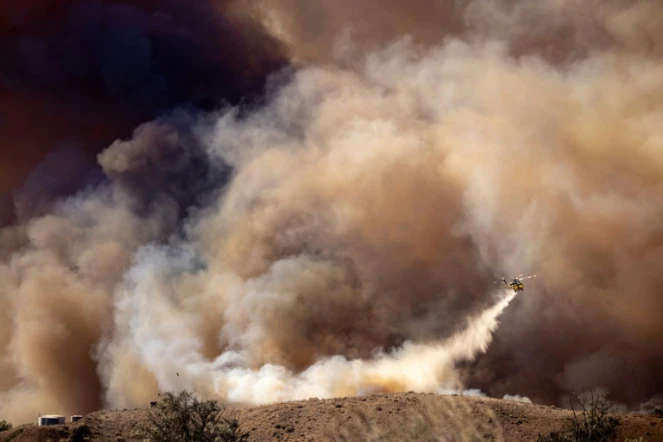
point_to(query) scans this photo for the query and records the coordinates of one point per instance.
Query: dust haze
(339, 232)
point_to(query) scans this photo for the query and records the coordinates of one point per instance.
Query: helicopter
(516, 284)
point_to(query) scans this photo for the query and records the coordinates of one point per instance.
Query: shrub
(80, 434)
(590, 423)
(183, 418)
(5, 426)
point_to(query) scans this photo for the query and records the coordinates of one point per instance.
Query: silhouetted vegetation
(80, 434)
(591, 422)
(5, 426)
(184, 418)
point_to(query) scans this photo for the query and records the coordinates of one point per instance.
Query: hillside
(381, 417)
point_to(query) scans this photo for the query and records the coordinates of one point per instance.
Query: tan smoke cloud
(370, 207)
(317, 30)
(559, 30)
(57, 303)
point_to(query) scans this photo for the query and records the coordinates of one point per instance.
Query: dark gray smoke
(86, 72)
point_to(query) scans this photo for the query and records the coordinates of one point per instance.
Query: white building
(51, 419)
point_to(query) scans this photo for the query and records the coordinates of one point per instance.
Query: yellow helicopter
(516, 284)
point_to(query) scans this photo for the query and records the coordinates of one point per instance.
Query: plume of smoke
(361, 199)
(61, 268)
(652, 406)
(559, 31)
(518, 398)
(369, 206)
(162, 335)
(320, 30)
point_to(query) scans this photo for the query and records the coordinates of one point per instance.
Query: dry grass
(381, 417)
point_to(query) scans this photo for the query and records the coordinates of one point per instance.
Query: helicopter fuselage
(516, 285)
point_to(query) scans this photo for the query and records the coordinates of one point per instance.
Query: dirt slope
(382, 417)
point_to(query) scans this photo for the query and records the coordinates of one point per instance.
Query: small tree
(595, 423)
(184, 418)
(590, 423)
(5, 426)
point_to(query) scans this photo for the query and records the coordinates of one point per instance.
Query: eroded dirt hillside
(380, 417)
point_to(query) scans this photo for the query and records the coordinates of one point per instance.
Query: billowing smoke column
(342, 238)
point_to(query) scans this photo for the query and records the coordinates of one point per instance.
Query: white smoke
(161, 335)
(518, 398)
